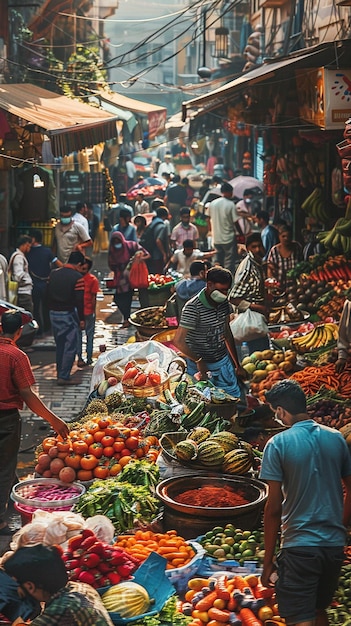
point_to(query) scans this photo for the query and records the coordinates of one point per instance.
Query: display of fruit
(142, 375)
(98, 448)
(259, 389)
(315, 206)
(305, 294)
(222, 450)
(259, 364)
(321, 336)
(338, 239)
(158, 280)
(339, 611)
(128, 599)
(95, 562)
(228, 542)
(287, 313)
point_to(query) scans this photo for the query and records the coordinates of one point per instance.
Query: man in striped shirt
(203, 333)
(66, 305)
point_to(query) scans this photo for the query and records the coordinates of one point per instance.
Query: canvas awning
(70, 124)
(110, 107)
(322, 54)
(155, 114)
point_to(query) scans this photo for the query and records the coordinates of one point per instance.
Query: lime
(209, 535)
(211, 548)
(237, 556)
(243, 546)
(226, 548)
(217, 529)
(251, 543)
(238, 536)
(229, 532)
(236, 547)
(247, 553)
(217, 541)
(246, 534)
(219, 553)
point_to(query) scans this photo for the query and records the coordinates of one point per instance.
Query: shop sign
(324, 96)
(157, 122)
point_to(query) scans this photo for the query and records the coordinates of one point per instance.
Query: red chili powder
(217, 497)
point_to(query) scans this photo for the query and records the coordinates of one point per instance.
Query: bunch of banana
(339, 237)
(315, 206)
(318, 337)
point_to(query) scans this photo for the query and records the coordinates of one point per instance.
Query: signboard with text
(324, 96)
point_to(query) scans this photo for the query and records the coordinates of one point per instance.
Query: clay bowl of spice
(194, 504)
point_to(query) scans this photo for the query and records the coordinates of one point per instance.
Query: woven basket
(147, 392)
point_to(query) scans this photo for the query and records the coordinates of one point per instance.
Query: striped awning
(70, 124)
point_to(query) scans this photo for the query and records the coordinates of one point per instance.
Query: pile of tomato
(158, 280)
(135, 376)
(98, 449)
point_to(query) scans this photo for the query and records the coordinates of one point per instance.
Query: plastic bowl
(29, 492)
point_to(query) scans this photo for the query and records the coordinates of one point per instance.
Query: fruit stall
(162, 471)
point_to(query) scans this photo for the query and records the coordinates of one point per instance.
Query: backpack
(147, 240)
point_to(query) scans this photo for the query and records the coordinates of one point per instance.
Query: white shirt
(130, 169)
(141, 207)
(223, 216)
(183, 262)
(78, 217)
(166, 168)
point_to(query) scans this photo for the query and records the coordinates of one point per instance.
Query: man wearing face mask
(248, 289)
(69, 236)
(203, 335)
(183, 230)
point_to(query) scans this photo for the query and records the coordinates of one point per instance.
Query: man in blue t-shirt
(305, 467)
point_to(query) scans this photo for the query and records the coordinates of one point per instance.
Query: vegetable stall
(168, 468)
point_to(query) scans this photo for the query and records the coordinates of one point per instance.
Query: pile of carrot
(169, 545)
(312, 378)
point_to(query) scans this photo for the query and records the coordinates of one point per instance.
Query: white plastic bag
(248, 325)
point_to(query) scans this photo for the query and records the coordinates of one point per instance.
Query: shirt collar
(7, 340)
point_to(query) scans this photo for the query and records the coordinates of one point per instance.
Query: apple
(112, 380)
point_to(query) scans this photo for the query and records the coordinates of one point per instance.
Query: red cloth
(15, 374)
(91, 288)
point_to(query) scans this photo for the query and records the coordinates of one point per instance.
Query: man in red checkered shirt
(16, 387)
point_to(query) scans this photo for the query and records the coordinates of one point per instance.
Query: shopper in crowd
(283, 257)
(248, 289)
(175, 199)
(156, 241)
(204, 188)
(41, 573)
(3, 277)
(93, 222)
(213, 192)
(131, 172)
(184, 230)
(120, 253)
(66, 306)
(189, 191)
(269, 234)
(166, 165)
(186, 288)
(140, 225)
(41, 261)
(306, 467)
(19, 269)
(69, 236)
(203, 333)
(223, 216)
(344, 337)
(16, 387)
(141, 206)
(183, 258)
(91, 288)
(112, 216)
(124, 226)
(81, 215)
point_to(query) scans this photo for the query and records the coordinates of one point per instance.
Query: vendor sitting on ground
(182, 259)
(41, 573)
(204, 336)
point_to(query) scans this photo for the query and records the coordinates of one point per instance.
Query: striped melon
(186, 450)
(128, 599)
(199, 434)
(210, 453)
(237, 461)
(227, 440)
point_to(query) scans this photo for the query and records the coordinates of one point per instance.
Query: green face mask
(65, 220)
(218, 296)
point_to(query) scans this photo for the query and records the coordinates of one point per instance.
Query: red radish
(56, 465)
(67, 475)
(112, 380)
